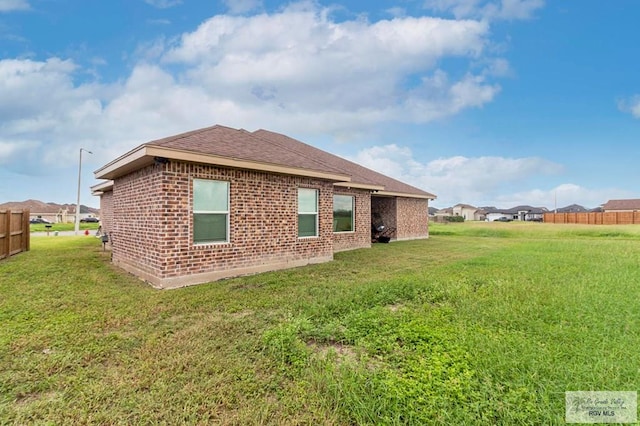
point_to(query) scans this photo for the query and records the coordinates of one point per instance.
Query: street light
(78, 201)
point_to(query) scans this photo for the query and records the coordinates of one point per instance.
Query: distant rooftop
(628, 204)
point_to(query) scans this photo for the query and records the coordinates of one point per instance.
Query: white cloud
(457, 179)
(45, 117)
(163, 4)
(397, 12)
(485, 181)
(483, 9)
(238, 7)
(339, 75)
(297, 71)
(13, 5)
(309, 37)
(498, 67)
(564, 195)
(7, 149)
(630, 105)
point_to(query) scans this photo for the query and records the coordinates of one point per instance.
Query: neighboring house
(220, 202)
(442, 214)
(628, 205)
(37, 209)
(523, 213)
(448, 211)
(573, 208)
(468, 212)
(54, 213)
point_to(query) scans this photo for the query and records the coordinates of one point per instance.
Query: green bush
(454, 218)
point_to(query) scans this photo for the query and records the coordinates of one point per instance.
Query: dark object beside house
(503, 219)
(39, 220)
(105, 240)
(379, 232)
(90, 220)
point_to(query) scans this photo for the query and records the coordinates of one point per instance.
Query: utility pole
(78, 200)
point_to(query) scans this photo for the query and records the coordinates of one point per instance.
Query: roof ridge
(352, 163)
(297, 151)
(186, 134)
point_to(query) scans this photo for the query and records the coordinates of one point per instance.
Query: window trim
(314, 213)
(226, 212)
(353, 212)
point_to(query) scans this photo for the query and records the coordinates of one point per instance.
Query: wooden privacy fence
(592, 218)
(14, 232)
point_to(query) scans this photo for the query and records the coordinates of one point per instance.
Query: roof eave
(102, 187)
(127, 163)
(406, 194)
(146, 155)
(356, 185)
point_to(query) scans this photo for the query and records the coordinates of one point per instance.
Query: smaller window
(343, 213)
(210, 211)
(307, 212)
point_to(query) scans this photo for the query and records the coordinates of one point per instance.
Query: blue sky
(485, 102)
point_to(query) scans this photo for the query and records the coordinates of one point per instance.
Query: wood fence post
(7, 233)
(26, 230)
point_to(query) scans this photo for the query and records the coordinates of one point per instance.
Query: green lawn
(481, 324)
(41, 227)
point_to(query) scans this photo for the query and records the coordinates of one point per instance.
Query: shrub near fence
(593, 218)
(14, 232)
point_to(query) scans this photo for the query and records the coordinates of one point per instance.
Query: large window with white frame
(210, 211)
(343, 213)
(307, 212)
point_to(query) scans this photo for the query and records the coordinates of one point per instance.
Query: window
(307, 212)
(210, 211)
(342, 213)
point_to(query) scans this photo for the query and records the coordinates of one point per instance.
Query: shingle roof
(628, 204)
(239, 144)
(257, 148)
(358, 173)
(446, 210)
(573, 208)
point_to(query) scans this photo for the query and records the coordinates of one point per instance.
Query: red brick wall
(106, 211)
(387, 208)
(409, 216)
(139, 220)
(153, 230)
(361, 237)
(412, 219)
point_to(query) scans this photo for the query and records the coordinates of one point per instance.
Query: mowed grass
(41, 227)
(480, 324)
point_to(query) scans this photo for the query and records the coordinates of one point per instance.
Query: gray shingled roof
(573, 208)
(515, 210)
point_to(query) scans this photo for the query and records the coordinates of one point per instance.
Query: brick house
(220, 202)
(627, 205)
